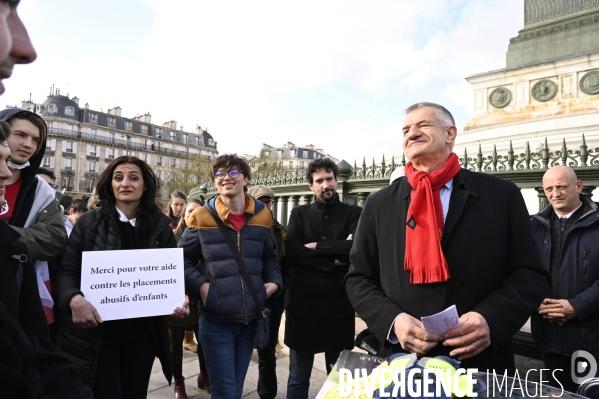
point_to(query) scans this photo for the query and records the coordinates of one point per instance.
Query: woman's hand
(84, 313)
(183, 311)
(270, 288)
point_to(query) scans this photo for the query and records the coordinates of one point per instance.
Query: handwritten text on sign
(133, 283)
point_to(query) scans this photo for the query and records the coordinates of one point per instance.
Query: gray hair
(445, 114)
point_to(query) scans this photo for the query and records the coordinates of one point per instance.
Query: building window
(210, 142)
(158, 174)
(93, 118)
(69, 146)
(66, 183)
(110, 153)
(290, 164)
(279, 153)
(111, 139)
(266, 154)
(199, 141)
(128, 126)
(186, 151)
(301, 164)
(91, 183)
(92, 150)
(52, 108)
(111, 120)
(46, 163)
(173, 136)
(186, 139)
(173, 163)
(304, 153)
(69, 111)
(144, 130)
(144, 157)
(159, 132)
(93, 134)
(67, 163)
(159, 161)
(91, 166)
(291, 153)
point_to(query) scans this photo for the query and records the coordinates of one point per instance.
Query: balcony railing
(95, 138)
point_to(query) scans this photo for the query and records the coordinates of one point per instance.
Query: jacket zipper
(241, 279)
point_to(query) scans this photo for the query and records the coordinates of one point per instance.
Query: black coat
(29, 365)
(319, 316)
(18, 287)
(578, 282)
(97, 231)
(494, 264)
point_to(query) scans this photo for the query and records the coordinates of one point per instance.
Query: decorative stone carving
(500, 97)
(536, 11)
(544, 90)
(589, 83)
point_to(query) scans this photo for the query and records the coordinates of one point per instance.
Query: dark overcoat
(319, 316)
(494, 264)
(578, 282)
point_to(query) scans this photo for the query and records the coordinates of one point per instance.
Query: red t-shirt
(10, 197)
(238, 219)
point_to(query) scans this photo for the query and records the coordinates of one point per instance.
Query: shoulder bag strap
(240, 264)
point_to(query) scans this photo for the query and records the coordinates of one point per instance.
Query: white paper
(442, 322)
(133, 283)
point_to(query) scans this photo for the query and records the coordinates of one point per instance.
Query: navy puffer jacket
(229, 299)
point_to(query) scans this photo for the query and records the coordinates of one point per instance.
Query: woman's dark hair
(80, 205)
(147, 211)
(324, 163)
(175, 194)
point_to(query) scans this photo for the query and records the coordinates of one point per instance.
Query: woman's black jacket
(97, 231)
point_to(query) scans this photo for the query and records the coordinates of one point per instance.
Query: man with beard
(319, 316)
(32, 207)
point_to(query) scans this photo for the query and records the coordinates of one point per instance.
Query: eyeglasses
(233, 173)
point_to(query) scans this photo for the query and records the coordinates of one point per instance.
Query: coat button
(323, 237)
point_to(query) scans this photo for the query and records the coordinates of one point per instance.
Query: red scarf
(424, 228)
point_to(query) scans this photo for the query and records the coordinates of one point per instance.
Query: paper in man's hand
(442, 322)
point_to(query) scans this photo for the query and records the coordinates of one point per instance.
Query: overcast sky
(337, 74)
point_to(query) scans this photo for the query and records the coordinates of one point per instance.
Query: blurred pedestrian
(175, 207)
(116, 357)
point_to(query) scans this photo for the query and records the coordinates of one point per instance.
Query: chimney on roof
(75, 100)
(86, 105)
(170, 124)
(310, 146)
(319, 150)
(198, 130)
(266, 146)
(116, 111)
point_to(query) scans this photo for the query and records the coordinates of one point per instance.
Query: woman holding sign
(116, 357)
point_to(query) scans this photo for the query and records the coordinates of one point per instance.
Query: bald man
(567, 232)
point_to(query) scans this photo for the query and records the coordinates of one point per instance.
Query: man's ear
(452, 133)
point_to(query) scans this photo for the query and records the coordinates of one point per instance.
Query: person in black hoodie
(116, 357)
(32, 208)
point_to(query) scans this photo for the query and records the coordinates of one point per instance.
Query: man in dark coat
(567, 232)
(443, 236)
(319, 316)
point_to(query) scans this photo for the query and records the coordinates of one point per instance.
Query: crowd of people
(437, 236)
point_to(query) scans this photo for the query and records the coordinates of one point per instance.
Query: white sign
(133, 283)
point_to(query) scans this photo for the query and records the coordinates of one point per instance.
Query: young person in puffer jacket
(116, 357)
(227, 310)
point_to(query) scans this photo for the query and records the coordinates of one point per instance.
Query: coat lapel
(463, 186)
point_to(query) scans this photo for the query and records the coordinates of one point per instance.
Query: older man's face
(425, 136)
(562, 189)
(15, 46)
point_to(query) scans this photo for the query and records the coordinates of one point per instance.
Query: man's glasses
(233, 173)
